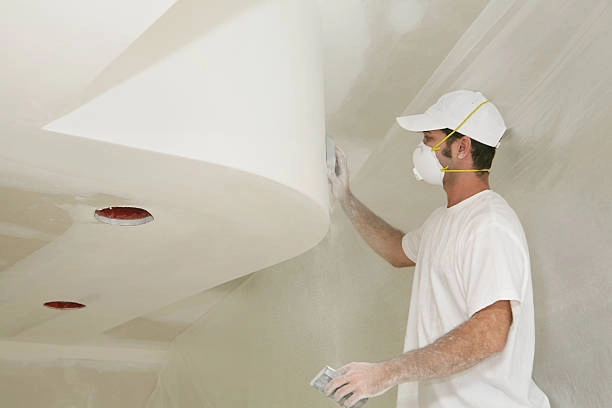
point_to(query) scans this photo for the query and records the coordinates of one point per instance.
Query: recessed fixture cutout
(64, 305)
(123, 215)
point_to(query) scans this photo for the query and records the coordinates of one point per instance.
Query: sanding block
(324, 377)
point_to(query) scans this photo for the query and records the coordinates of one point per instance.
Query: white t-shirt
(468, 257)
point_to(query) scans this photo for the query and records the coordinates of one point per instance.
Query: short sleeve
(411, 242)
(495, 267)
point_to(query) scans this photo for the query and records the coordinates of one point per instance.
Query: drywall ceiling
(259, 199)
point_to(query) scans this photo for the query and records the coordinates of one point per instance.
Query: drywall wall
(265, 341)
(529, 57)
(75, 383)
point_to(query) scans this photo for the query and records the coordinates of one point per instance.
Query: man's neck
(461, 186)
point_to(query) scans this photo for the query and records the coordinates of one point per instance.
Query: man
(470, 333)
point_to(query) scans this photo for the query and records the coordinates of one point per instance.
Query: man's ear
(464, 147)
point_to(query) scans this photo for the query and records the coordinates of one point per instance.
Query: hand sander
(324, 377)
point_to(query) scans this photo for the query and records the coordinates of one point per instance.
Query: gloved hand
(364, 380)
(339, 179)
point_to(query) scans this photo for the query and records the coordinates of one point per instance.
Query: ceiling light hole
(64, 305)
(123, 215)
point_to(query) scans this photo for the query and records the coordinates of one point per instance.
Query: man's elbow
(498, 345)
(399, 262)
(499, 339)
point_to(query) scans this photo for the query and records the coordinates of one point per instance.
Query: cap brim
(419, 123)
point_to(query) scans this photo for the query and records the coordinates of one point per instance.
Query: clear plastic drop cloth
(548, 66)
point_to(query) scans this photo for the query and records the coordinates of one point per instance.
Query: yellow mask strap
(447, 170)
(437, 147)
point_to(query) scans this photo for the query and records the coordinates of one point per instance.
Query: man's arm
(483, 335)
(384, 239)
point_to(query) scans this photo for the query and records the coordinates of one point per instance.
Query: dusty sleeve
(411, 242)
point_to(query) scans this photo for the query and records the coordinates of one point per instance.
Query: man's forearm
(472, 342)
(383, 238)
(440, 359)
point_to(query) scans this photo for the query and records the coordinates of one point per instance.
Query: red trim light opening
(123, 215)
(64, 305)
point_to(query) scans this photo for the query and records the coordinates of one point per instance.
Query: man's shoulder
(492, 203)
(493, 211)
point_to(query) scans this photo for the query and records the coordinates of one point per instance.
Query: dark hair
(482, 155)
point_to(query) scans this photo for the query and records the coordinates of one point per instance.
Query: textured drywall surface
(546, 65)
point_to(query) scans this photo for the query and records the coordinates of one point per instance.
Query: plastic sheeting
(546, 64)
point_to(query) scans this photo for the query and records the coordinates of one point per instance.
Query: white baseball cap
(467, 112)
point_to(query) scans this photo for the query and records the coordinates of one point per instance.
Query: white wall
(76, 383)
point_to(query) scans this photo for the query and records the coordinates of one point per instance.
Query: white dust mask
(426, 165)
